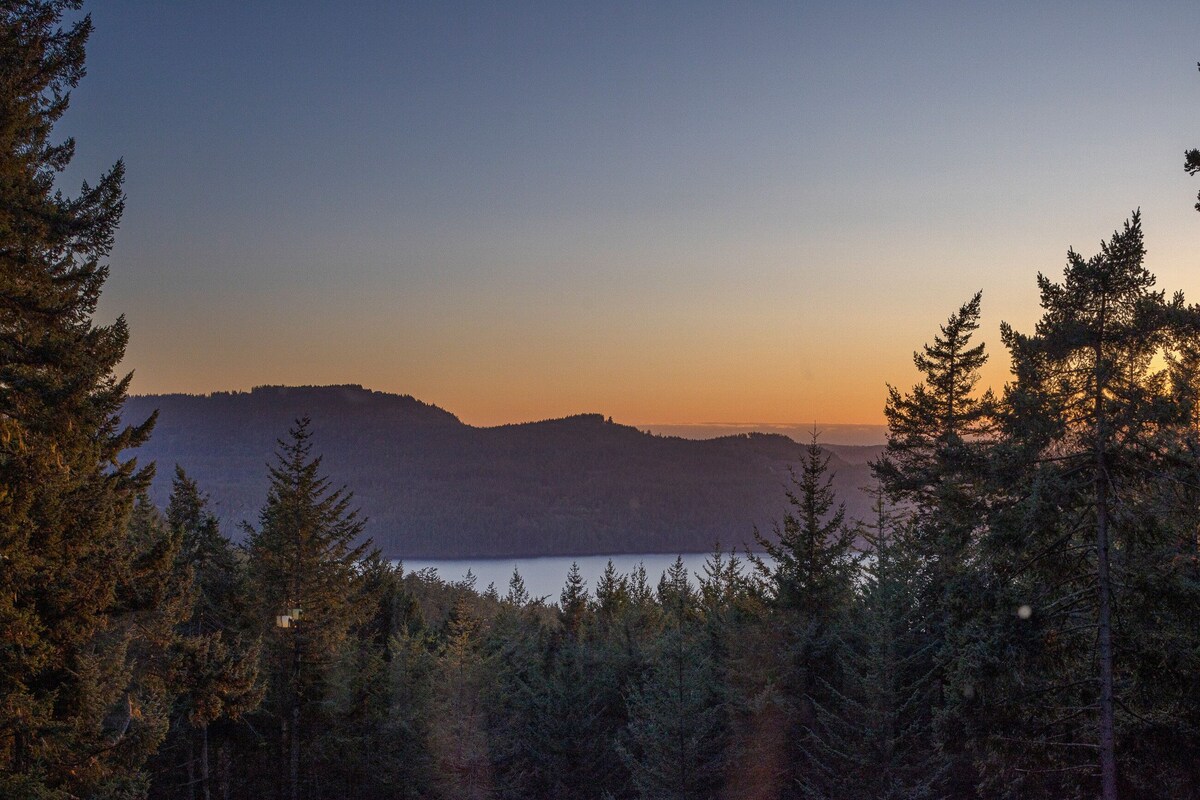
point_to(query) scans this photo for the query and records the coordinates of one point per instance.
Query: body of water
(544, 577)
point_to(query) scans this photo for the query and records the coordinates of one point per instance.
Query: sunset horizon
(833, 432)
(673, 214)
(611, 401)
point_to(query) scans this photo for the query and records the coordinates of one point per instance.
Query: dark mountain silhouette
(434, 487)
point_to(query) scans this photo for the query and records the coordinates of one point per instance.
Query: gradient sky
(665, 212)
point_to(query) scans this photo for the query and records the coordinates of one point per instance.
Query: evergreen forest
(1015, 617)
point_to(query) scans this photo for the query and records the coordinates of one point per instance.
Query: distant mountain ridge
(435, 487)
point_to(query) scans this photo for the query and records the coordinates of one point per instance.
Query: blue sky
(665, 212)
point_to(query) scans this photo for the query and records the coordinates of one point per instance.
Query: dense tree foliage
(1014, 618)
(1086, 534)
(305, 561)
(216, 659)
(808, 584)
(939, 438)
(951, 644)
(946, 646)
(80, 675)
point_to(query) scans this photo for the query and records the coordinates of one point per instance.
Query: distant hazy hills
(434, 487)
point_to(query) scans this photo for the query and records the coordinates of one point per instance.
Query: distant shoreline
(845, 434)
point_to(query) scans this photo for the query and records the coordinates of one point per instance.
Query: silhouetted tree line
(1016, 619)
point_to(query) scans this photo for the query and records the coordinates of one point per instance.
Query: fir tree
(217, 659)
(1191, 161)
(934, 466)
(810, 587)
(305, 560)
(723, 584)
(568, 704)
(517, 595)
(459, 738)
(65, 492)
(612, 594)
(812, 549)
(574, 602)
(937, 436)
(152, 598)
(675, 743)
(871, 740)
(380, 704)
(516, 645)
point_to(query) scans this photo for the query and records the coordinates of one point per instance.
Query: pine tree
(744, 646)
(561, 690)
(513, 651)
(305, 559)
(517, 595)
(723, 586)
(151, 600)
(937, 440)
(65, 492)
(812, 549)
(612, 594)
(1080, 538)
(412, 690)
(380, 705)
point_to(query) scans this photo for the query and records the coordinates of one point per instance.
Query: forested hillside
(1014, 619)
(431, 486)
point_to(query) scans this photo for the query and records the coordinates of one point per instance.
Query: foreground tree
(873, 738)
(939, 435)
(65, 492)
(1083, 538)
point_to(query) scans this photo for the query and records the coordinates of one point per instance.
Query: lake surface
(544, 577)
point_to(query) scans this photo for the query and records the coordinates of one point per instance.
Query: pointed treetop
(518, 595)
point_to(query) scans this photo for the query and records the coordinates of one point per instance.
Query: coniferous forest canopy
(1014, 614)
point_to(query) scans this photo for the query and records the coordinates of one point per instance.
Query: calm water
(544, 577)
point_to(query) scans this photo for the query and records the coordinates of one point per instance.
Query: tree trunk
(191, 763)
(295, 755)
(204, 790)
(223, 767)
(1108, 757)
(284, 743)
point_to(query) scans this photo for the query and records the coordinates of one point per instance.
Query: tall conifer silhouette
(65, 492)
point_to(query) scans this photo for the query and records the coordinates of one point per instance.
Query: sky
(670, 213)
